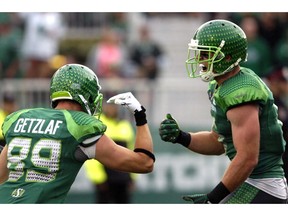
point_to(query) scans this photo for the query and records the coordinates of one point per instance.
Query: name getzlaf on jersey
(43, 153)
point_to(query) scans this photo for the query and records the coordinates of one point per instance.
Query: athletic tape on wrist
(140, 117)
(218, 193)
(184, 139)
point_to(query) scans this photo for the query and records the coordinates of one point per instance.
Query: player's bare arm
(3, 165)
(203, 142)
(140, 160)
(246, 138)
(206, 142)
(120, 158)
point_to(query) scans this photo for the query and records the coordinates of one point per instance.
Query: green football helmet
(78, 83)
(224, 45)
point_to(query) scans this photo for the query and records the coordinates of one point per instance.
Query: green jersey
(43, 153)
(247, 87)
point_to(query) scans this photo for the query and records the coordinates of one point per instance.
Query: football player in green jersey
(45, 148)
(245, 123)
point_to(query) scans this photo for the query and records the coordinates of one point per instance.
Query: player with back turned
(245, 122)
(45, 148)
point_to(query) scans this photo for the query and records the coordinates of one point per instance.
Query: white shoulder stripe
(91, 140)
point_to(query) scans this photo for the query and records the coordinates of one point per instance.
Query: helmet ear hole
(90, 99)
(220, 56)
(228, 57)
(54, 104)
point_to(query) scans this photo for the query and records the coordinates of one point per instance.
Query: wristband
(148, 153)
(184, 138)
(218, 193)
(140, 117)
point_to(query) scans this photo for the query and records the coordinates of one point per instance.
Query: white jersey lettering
(39, 125)
(36, 126)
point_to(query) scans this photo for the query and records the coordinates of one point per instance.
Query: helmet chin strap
(85, 103)
(229, 68)
(208, 76)
(98, 105)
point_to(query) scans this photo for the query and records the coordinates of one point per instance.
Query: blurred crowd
(30, 43)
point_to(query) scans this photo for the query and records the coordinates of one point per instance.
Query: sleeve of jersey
(92, 133)
(10, 119)
(242, 93)
(85, 129)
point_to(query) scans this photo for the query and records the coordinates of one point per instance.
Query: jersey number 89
(44, 158)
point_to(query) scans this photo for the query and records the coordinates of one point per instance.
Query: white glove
(126, 99)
